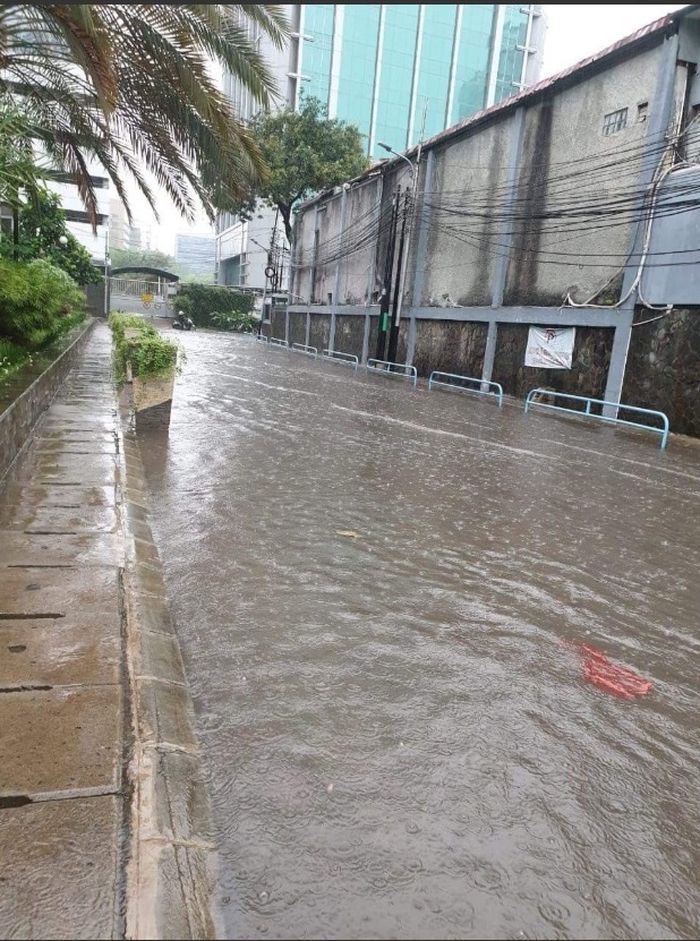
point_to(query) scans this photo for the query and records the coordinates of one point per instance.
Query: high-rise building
(399, 71)
(122, 233)
(78, 221)
(195, 255)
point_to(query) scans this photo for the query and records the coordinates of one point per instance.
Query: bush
(149, 353)
(243, 323)
(38, 303)
(202, 301)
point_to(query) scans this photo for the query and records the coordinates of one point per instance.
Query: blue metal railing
(663, 431)
(346, 359)
(385, 366)
(276, 341)
(483, 384)
(303, 348)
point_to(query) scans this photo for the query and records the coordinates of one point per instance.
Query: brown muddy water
(379, 592)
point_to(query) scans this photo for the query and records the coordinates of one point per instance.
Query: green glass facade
(389, 67)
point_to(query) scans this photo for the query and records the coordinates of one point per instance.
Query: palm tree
(130, 86)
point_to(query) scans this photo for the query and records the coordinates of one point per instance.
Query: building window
(614, 122)
(642, 111)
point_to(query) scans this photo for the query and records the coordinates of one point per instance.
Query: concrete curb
(19, 419)
(172, 862)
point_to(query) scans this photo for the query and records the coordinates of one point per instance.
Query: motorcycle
(182, 322)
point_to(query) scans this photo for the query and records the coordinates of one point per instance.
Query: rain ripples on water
(381, 595)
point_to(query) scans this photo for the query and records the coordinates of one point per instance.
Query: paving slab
(59, 869)
(85, 549)
(60, 652)
(16, 494)
(60, 740)
(52, 518)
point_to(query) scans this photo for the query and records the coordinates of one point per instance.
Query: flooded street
(380, 594)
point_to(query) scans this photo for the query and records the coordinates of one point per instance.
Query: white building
(77, 219)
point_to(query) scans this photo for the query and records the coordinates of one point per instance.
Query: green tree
(306, 152)
(142, 257)
(130, 85)
(42, 233)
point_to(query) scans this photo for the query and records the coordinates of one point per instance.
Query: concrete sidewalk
(103, 818)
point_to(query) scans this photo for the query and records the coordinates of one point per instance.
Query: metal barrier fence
(345, 359)
(261, 338)
(306, 350)
(276, 341)
(587, 413)
(498, 394)
(385, 366)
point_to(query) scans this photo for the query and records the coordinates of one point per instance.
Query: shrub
(201, 301)
(38, 302)
(243, 323)
(149, 353)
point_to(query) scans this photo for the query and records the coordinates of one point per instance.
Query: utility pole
(398, 286)
(386, 283)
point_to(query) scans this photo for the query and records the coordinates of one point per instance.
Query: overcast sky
(574, 32)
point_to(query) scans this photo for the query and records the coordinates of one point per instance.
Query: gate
(151, 298)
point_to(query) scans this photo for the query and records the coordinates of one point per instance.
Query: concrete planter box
(152, 399)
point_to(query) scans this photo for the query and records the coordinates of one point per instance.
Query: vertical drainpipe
(660, 113)
(421, 255)
(377, 80)
(336, 56)
(453, 67)
(502, 260)
(416, 71)
(495, 53)
(338, 267)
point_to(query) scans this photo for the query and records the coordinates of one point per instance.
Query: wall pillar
(338, 268)
(660, 114)
(421, 257)
(502, 258)
(308, 327)
(365, 338)
(490, 351)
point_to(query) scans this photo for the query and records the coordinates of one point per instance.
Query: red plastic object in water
(618, 681)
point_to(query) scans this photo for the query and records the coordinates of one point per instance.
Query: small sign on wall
(550, 347)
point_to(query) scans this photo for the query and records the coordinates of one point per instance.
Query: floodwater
(379, 593)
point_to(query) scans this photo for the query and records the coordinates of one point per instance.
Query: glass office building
(399, 71)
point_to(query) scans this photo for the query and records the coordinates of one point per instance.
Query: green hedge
(149, 353)
(38, 304)
(202, 301)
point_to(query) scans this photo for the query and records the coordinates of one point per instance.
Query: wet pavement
(61, 662)
(380, 594)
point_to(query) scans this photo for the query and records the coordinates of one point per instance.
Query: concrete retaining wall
(18, 420)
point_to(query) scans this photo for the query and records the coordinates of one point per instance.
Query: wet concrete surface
(377, 592)
(61, 667)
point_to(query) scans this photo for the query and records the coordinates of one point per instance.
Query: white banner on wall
(550, 347)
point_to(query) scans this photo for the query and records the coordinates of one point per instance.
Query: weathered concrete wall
(297, 328)
(469, 176)
(349, 332)
(588, 371)
(19, 418)
(319, 331)
(277, 324)
(358, 271)
(451, 346)
(663, 368)
(564, 166)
